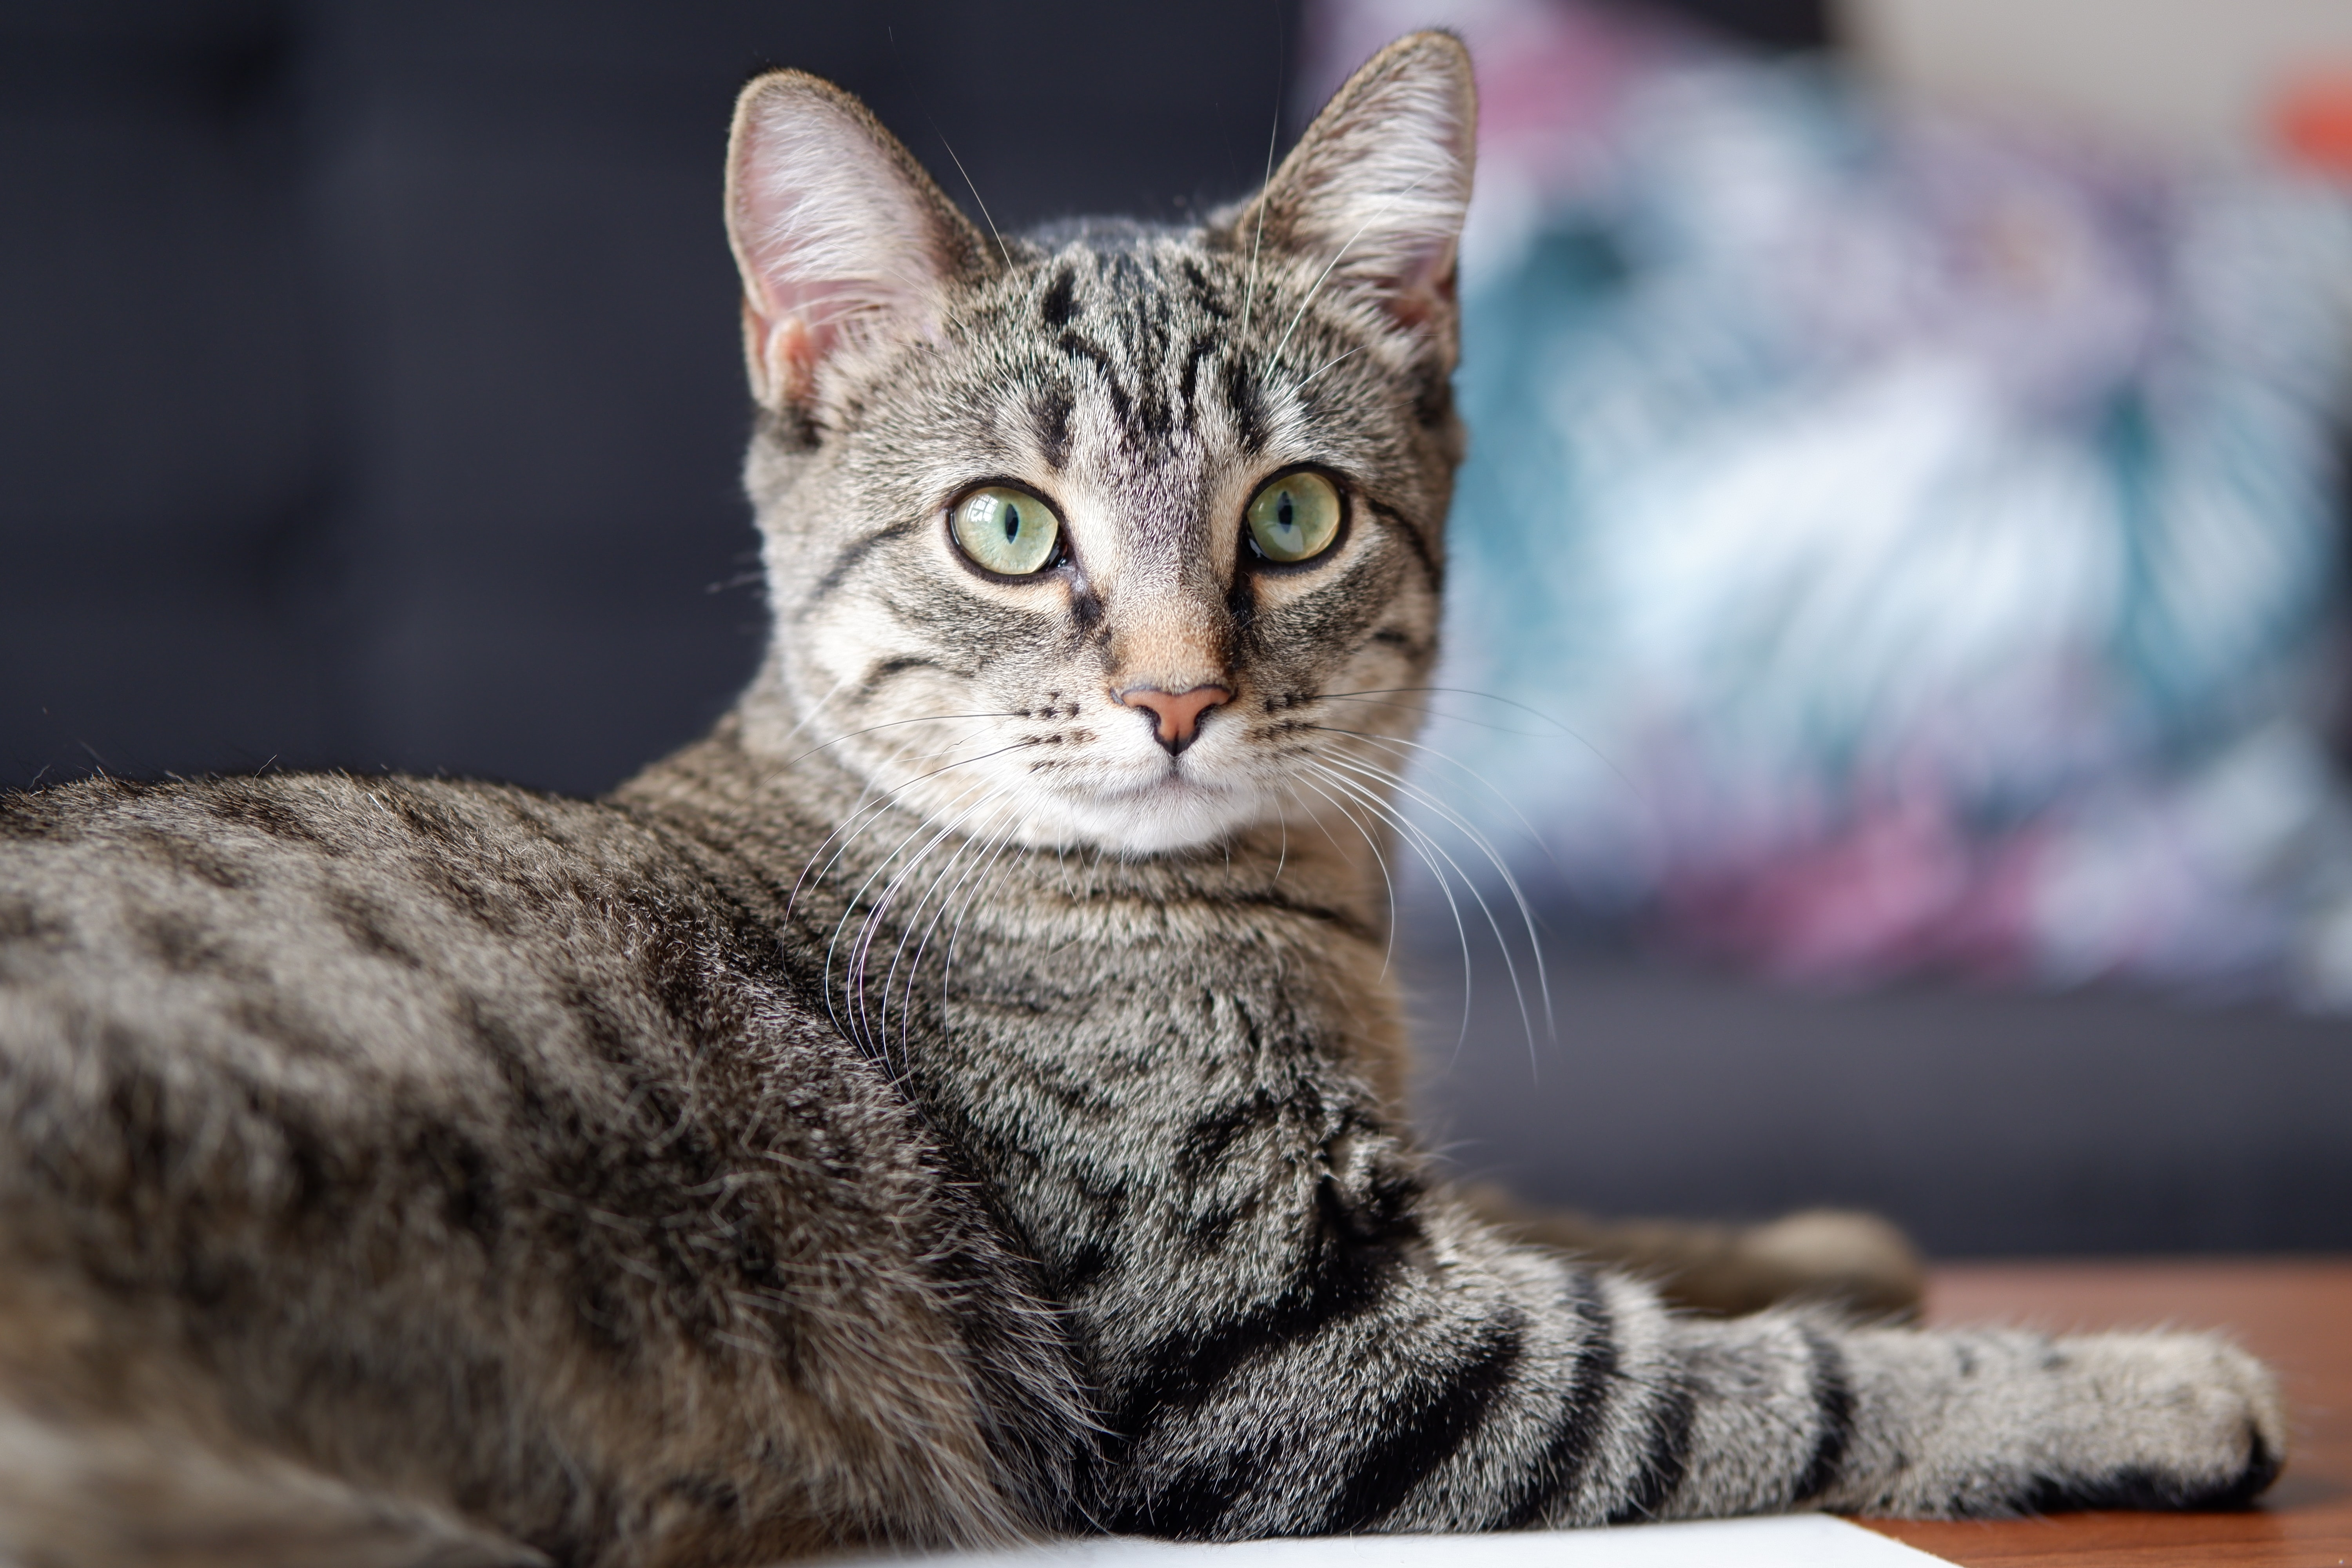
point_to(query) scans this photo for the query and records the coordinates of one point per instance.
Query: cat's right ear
(1374, 193)
(844, 242)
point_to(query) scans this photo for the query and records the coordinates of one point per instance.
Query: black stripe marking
(1072, 1272)
(368, 926)
(251, 808)
(1153, 417)
(1584, 1410)
(1666, 1459)
(886, 668)
(1076, 347)
(1060, 305)
(1432, 401)
(1206, 298)
(1242, 398)
(1343, 1271)
(1188, 1506)
(1421, 1430)
(1833, 1403)
(1213, 1132)
(1339, 919)
(2142, 1490)
(1187, 384)
(193, 857)
(847, 561)
(1050, 416)
(1413, 537)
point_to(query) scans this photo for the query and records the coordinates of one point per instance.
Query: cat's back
(324, 925)
(411, 1117)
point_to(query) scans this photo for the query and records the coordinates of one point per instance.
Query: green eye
(1295, 517)
(1006, 531)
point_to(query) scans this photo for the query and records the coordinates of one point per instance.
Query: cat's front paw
(2162, 1421)
(1994, 1423)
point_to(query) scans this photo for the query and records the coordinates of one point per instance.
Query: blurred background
(1896, 692)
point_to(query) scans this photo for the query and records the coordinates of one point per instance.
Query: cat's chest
(1117, 1061)
(1091, 1050)
(1145, 1113)
(1191, 995)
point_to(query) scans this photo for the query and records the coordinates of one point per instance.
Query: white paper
(1789, 1541)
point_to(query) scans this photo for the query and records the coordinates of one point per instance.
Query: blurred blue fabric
(1919, 540)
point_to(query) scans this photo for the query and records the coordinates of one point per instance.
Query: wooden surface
(2295, 1314)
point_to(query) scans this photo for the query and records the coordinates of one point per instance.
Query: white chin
(1156, 819)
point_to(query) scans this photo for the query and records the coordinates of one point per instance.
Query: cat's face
(1118, 537)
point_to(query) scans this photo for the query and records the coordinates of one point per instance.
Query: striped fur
(929, 1110)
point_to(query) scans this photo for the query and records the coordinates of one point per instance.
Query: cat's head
(1107, 535)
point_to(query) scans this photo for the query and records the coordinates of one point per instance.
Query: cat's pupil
(1012, 523)
(1282, 512)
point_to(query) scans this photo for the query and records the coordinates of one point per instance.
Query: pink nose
(1178, 712)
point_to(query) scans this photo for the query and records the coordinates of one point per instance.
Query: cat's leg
(1857, 1261)
(1292, 1330)
(1420, 1375)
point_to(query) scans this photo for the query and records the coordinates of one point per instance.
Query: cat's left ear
(845, 242)
(1377, 188)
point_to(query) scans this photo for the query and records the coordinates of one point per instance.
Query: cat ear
(841, 238)
(1377, 187)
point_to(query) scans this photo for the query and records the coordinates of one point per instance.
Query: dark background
(372, 399)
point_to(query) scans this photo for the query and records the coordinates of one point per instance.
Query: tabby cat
(959, 1100)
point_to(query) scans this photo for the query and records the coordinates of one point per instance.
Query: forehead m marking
(1242, 402)
(1059, 307)
(1049, 416)
(1085, 349)
(1204, 345)
(1144, 326)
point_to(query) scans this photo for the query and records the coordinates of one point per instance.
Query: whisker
(1461, 932)
(1327, 365)
(1565, 732)
(861, 947)
(947, 750)
(985, 868)
(915, 914)
(1273, 131)
(955, 933)
(809, 717)
(1453, 691)
(1316, 287)
(1391, 778)
(1437, 713)
(1388, 951)
(1415, 834)
(873, 813)
(889, 895)
(852, 980)
(834, 941)
(890, 723)
(1390, 741)
(1282, 860)
(975, 195)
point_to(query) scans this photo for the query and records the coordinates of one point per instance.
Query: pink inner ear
(795, 309)
(833, 243)
(795, 332)
(1426, 291)
(1413, 279)
(1380, 181)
